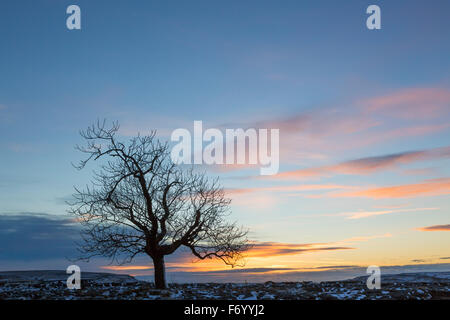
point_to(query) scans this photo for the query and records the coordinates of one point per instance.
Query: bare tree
(141, 202)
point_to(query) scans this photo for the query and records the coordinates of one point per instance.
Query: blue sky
(349, 93)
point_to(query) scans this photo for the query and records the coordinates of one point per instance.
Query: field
(51, 285)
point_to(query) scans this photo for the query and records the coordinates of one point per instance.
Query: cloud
(433, 187)
(320, 123)
(335, 267)
(37, 237)
(22, 147)
(420, 171)
(292, 188)
(411, 103)
(271, 249)
(126, 268)
(322, 133)
(367, 165)
(263, 198)
(248, 270)
(183, 261)
(30, 236)
(63, 200)
(365, 238)
(313, 135)
(366, 214)
(442, 227)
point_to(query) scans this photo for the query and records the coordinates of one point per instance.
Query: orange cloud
(271, 249)
(265, 255)
(442, 227)
(266, 250)
(434, 187)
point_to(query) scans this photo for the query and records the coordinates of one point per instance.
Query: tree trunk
(160, 272)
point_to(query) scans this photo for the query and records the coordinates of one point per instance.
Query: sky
(363, 117)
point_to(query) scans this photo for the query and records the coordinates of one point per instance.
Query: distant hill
(413, 277)
(57, 275)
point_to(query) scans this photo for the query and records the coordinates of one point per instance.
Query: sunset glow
(363, 118)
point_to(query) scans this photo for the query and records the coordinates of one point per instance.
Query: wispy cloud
(126, 268)
(249, 270)
(366, 214)
(433, 187)
(411, 103)
(323, 132)
(366, 238)
(267, 197)
(442, 227)
(368, 165)
(291, 188)
(21, 147)
(418, 260)
(272, 249)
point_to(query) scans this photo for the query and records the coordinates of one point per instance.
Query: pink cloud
(411, 103)
(367, 165)
(366, 214)
(434, 187)
(292, 188)
(325, 132)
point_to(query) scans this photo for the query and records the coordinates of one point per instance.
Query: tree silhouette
(141, 202)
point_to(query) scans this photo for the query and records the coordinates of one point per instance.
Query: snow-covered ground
(52, 285)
